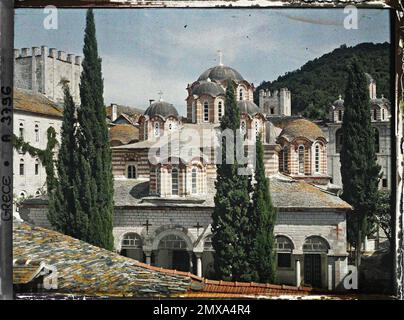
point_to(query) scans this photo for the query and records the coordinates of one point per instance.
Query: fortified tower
(44, 70)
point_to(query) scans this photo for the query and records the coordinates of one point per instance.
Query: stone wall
(42, 70)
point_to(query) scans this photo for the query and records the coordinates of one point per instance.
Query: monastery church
(164, 204)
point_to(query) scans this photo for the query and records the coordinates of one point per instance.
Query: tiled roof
(83, 268)
(136, 193)
(89, 270)
(124, 133)
(29, 101)
(25, 271)
(288, 193)
(130, 111)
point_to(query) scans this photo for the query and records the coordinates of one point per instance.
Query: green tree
(65, 213)
(360, 172)
(230, 226)
(94, 169)
(262, 221)
(383, 215)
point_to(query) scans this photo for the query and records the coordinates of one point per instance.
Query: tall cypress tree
(65, 213)
(262, 220)
(230, 216)
(359, 170)
(94, 174)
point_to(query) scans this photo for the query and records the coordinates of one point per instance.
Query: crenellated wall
(43, 70)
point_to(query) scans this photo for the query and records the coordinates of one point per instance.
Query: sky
(145, 51)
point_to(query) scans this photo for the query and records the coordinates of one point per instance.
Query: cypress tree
(94, 174)
(360, 172)
(64, 208)
(230, 216)
(262, 220)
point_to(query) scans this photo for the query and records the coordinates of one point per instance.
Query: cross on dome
(220, 57)
(160, 93)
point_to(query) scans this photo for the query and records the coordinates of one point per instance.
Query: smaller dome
(248, 107)
(207, 87)
(302, 128)
(339, 102)
(123, 134)
(161, 108)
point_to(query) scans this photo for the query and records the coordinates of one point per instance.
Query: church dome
(302, 128)
(339, 102)
(161, 108)
(248, 107)
(207, 87)
(220, 73)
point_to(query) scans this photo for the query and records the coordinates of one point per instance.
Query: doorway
(312, 270)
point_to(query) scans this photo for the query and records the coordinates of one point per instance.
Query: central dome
(161, 108)
(220, 73)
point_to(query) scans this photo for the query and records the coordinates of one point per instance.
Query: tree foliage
(262, 219)
(320, 81)
(94, 168)
(230, 226)
(360, 172)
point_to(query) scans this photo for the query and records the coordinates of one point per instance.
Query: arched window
(383, 115)
(158, 180)
(285, 159)
(272, 110)
(131, 172)
(301, 159)
(241, 94)
(317, 158)
(36, 167)
(206, 111)
(193, 111)
(375, 114)
(315, 244)
(22, 167)
(220, 109)
(132, 241)
(284, 247)
(21, 130)
(132, 246)
(145, 134)
(339, 115)
(257, 128)
(338, 140)
(377, 141)
(23, 194)
(174, 181)
(37, 133)
(172, 241)
(157, 129)
(194, 179)
(243, 127)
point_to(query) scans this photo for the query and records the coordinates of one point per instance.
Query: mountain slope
(320, 81)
